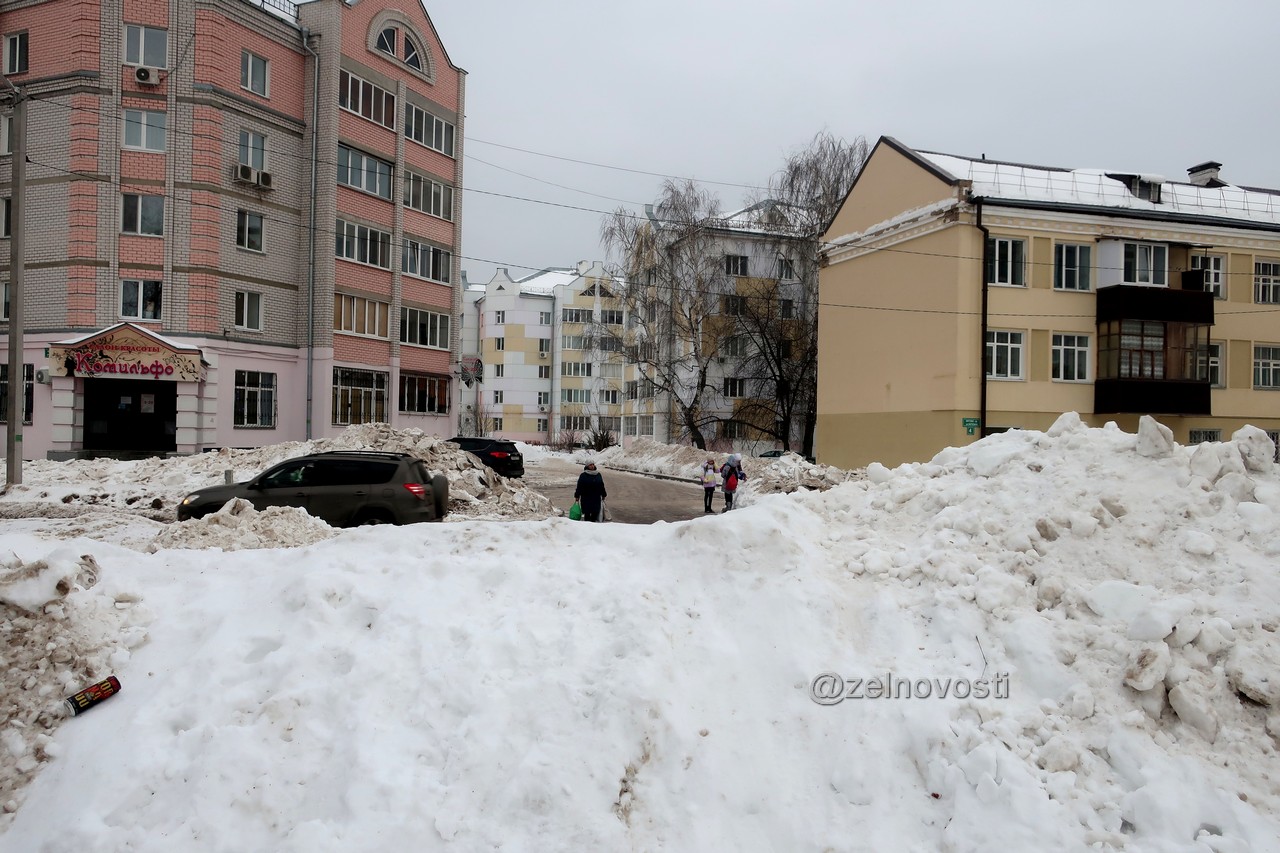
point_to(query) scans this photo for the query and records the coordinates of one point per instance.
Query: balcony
(1161, 304)
(1151, 396)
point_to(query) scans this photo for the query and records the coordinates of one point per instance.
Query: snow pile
(793, 473)
(238, 525)
(55, 639)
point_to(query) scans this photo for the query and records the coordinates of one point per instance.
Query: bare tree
(674, 273)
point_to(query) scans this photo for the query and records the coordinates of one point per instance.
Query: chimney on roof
(1206, 174)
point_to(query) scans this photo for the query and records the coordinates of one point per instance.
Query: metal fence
(279, 8)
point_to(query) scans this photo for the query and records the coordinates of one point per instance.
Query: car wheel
(440, 495)
(372, 517)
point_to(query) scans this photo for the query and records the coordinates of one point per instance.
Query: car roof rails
(383, 454)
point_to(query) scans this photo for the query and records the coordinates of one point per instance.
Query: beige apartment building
(963, 296)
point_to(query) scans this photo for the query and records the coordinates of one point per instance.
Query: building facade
(963, 296)
(264, 197)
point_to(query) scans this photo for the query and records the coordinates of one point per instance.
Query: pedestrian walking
(731, 475)
(590, 492)
(709, 481)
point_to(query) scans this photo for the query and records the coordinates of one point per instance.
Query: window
(387, 41)
(143, 214)
(735, 264)
(140, 300)
(629, 426)
(6, 134)
(144, 130)
(146, 46)
(1004, 355)
(1145, 263)
(1266, 280)
(1071, 265)
(248, 310)
(499, 370)
(363, 245)
(253, 150)
(365, 99)
(575, 368)
(786, 269)
(28, 392)
(611, 370)
(733, 430)
(544, 318)
(426, 129)
(1214, 279)
(577, 315)
(609, 397)
(542, 425)
(500, 344)
(360, 315)
(499, 317)
(1006, 261)
(428, 196)
(578, 342)
(734, 387)
(424, 328)
(735, 305)
(544, 346)
(255, 399)
(8, 207)
(424, 395)
(544, 371)
(253, 73)
(359, 396)
(1200, 436)
(1131, 349)
(15, 53)
(365, 173)
(1274, 435)
(609, 424)
(575, 395)
(646, 424)
(426, 261)
(1266, 367)
(735, 346)
(788, 309)
(497, 424)
(611, 317)
(249, 230)
(544, 398)
(575, 422)
(1071, 358)
(1210, 366)
(411, 55)
(497, 397)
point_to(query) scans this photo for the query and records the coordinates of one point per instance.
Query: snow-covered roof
(543, 282)
(141, 330)
(1098, 188)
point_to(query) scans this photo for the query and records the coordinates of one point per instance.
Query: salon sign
(125, 352)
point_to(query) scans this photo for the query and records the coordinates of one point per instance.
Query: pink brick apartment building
(241, 220)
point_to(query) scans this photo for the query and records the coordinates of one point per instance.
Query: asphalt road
(633, 498)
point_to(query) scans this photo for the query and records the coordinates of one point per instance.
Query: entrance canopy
(125, 351)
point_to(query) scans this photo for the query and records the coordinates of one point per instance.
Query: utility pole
(17, 261)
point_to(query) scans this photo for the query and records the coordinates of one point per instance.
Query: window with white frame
(578, 342)
(6, 134)
(611, 317)
(786, 269)
(497, 398)
(609, 423)
(253, 150)
(140, 299)
(575, 395)
(142, 214)
(28, 395)
(427, 129)
(544, 346)
(424, 261)
(499, 371)
(363, 172)
(366, 100)
(248, 310)
(428, 196)
(412, 56)
(575, 368)
(576, 423)
(646, 424)
(249, 230)
(1072, 265)
(735, 346)
(577, 315)
(1004, 355)
(1070, 358)
(500, 344)
(542, 425)
(1266, 281)
(629, 426)
(146, 46)
(362, 244)
(497, 424)
(359, 396)
(1146, 263)
(733, 430)
(387, 40)
(609, 344)
(544, 398)
(255, 400)
(734, 387)
(611, 370)
(15, 53)
(1201, 436)
(1215, 279)
(1266, 367)
(359, 315)
(424, 328)
(735, 265)
(609, 397)
(1210, 365)
(424, 395)
(544, 318)
(144, 130)
(499, 317)
(544, 371)
(1006, 261)
(254, 71)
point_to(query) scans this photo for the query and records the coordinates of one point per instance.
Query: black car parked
(342, 487)
(499, 454)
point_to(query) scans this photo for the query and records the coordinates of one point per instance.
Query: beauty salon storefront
(122, 391)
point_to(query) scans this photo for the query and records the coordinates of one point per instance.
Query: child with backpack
(708, 484)
(732, 475)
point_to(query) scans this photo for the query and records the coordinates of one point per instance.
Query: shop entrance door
(130, 415)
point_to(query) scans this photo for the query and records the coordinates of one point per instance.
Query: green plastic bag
(575, 512)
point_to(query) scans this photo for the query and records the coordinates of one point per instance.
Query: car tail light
(419, 490)
(499, 454)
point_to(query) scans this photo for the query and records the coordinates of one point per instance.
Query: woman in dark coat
(590, 492)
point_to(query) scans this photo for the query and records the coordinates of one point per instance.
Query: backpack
(708, 478)
(731, 483)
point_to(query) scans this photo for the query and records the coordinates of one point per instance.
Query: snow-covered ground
(548, 685)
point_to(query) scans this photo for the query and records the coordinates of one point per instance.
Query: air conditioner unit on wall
(44, 376)
(245, 174)
(265, 180)
(542, 355)
(146, 75)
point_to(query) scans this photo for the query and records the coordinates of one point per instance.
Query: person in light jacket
(731, 475)
(590, 492)
(708, 484)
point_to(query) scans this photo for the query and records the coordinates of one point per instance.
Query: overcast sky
(722, 91)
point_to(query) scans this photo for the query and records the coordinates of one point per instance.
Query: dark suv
(499, 454)
(342, 487)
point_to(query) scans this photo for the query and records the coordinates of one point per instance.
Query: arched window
(387, 41)
(411, 57)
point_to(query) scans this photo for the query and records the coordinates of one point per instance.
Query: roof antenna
(984, 155)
